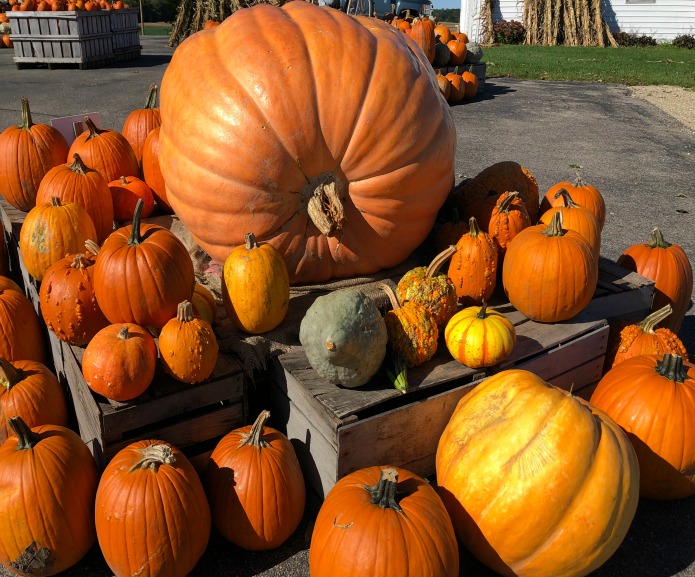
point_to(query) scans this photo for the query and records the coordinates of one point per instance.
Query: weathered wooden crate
(57, 38)
(126, 40)
(123, 20)
(336, 430)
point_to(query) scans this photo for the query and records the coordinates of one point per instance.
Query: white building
(663, 20)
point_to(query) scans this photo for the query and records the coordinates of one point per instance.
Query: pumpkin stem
(93, 130)
(671, 367)
(439, 260)
(55, 201)
(474, 228)
(151, 101)
(251, 241)
(123, 334)
(555, 226)
(507, 201)
(135, 237)
(255, 437)
(79, 166)
(123, 180)
(26, 438)
(79, 261)
(325, 205)
(153, 457)
(658, 240)
(9, 374)
(482, 313)
(578, 181)
(395, 305)
(184, 312)
(92, 247)
(566, 198)
(648, 324)
(26, 115)
(384, 492)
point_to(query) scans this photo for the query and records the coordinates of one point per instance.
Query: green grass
(157, 30)
(663, 64)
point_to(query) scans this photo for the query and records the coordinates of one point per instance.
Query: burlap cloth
(254, 351)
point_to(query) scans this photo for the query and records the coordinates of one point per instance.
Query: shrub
(511, 32)
(630, 39)
(684, 41)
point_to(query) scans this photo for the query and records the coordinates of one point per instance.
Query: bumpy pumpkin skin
(344, 337)
(509, 217)
(537, 482)
(413, 331)
(653, 398)
(390, 153)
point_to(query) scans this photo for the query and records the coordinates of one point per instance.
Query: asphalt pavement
(640, 158)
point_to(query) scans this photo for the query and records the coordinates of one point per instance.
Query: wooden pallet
(336, 430)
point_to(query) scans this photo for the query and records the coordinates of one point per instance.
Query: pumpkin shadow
(491, 92)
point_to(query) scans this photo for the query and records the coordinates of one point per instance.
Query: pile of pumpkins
(5, 40)
(66, 5)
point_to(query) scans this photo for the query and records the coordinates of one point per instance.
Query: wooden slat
(580, 376)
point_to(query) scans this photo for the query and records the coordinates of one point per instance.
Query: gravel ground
(674, 100)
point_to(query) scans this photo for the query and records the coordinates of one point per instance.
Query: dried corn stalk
(568, 22)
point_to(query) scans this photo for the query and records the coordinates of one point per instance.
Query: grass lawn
(157, 29)
(663, 64)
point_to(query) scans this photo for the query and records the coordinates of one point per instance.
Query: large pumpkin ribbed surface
(256, 111)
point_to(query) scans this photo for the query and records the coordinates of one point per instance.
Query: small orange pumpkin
(125, 193)
(151, 173)
(582, 193)
(509, 217)
(457, 51)
(470, 82)
(442, 32)
(139, 123)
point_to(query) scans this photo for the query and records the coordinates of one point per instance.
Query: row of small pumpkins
(63, 5)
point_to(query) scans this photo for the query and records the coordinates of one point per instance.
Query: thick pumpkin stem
(482, 313)
(80, 261)
(671, 367)
(566, 198)
(26, 438)
(9, 374)
(555, 226)
(658, 240)
(135, 237)
(151, 101)
(474, 228)
(92, 247)
(123, 180)
(507, 202)
(55, 201)
(93, 130)
(439, 260)
(255, 437)
(577, 170)
(393, 298)
(184, 312)
(124, 333)
(250, 240)
(79, 166)
(648, 324)
(153, 457)
(26, 115)
(384, 492)
(325, 195)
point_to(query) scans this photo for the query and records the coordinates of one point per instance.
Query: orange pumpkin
(21, 335)
(204, 303)
(537, 481)
(457, 89)
(139, 123)
(120, 361)
(262, 503)
(210, 24)
(82, 185)
(29, 390)
(422, 31)
(668, 266)
(48, 481)
(125, 193)
(509, 217)
(442, 32)
(458, 52)
(106, 151)
(653, 398)
(152, 516)
(470, 82)
(460, 36)
(4, 257)
(27, 153)
(582, 193)
(151, 173)
(444, 85)
(343, 196)
(7, 42)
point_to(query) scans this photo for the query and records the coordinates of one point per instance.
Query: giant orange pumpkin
(341, 181)
(537, 481)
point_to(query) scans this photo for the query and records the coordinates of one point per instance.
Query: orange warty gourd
(48, 480)
(50, 231)
(82, 185)
(383, 522)
(537, 481)
(142, 273)
(341, 182)
(644, 339)
(509, 217)
(668, 266)
(21, 336)
(29, 390)
(125, 193)
(139, 123)
(582, 193)
(653, 398)
(27, 153)
(68, 302)
(550, 273)
(151, 173)
(262, 503)
(578, 218)
(152, 516)
(120, 361)
(106, 151)
(187, 346)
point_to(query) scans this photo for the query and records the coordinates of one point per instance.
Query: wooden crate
(123, 20)
(58, 38)
(336, 430)
(126, 40)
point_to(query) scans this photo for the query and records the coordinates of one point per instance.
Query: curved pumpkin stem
(648, 324)
(79, 166)
(151, 101)
(482, 313)
(577, 170)
(506, 203)
(393, 298)
(27, 122)
(671, 367)
(92, 247)
(439, 260)
(474, 228)
(9, 374)
(124, 333)
(184, 312)
(658, 240)
(135, 237)
(250, 240)
(93, 130)
(555, 226)
(566, 198)
(153, 457)
(255, 437)
(26, 438)
(80, 261)
(384, 492)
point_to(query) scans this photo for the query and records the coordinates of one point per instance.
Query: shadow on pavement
(145, 61)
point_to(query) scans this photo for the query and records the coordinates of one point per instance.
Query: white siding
(504, 10)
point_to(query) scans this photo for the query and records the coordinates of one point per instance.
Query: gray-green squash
(474, 53)
(344, 337)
